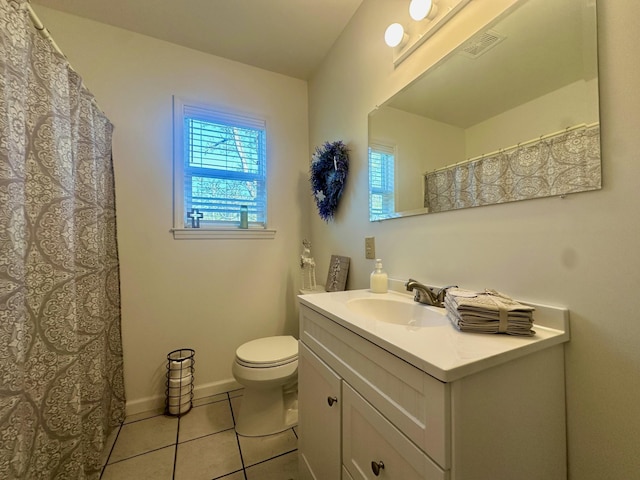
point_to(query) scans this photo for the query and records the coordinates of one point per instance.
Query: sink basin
(397, 311)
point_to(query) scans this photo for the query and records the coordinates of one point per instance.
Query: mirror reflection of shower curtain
(61, 378)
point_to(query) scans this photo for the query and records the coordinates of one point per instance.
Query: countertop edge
(554, 321)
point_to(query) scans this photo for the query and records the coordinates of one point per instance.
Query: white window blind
(381, 181)
(223, 166)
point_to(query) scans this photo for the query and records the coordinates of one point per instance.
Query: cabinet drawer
(416, 403)
(373, 448)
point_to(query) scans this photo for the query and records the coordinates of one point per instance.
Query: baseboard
(215, 388)
(156, 403)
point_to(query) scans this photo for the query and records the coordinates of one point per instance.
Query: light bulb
(394, 35)
(419, 9)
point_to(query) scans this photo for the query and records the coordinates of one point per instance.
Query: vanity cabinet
(365, 413)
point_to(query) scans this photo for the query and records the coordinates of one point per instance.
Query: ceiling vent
(482, 43)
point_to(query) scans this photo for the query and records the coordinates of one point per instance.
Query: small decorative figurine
(308, 267)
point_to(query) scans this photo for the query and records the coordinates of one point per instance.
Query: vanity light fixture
(421, 9)
(394, 36)
(429, 17)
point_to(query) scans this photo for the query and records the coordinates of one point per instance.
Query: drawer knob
(376, 467)
(332, 400)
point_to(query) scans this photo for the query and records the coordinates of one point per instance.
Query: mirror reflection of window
(381, 181)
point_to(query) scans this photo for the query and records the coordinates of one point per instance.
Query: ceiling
(291, 37)
(547, 45)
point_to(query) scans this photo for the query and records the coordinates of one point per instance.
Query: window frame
(390, 150)
(215, 231)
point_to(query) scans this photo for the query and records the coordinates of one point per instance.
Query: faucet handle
(443, 292)
(409, 284)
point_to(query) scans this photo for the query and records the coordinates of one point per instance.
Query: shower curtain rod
(42, 29)
(521, 144)
(46, 34)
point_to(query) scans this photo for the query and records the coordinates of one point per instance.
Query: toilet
(267, 368)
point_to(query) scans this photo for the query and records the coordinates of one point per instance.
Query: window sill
(223, 234)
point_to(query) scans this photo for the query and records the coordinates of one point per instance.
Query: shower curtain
(61, 380)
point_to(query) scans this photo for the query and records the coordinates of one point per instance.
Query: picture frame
(338, 271)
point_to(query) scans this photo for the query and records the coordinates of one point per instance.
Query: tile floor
(200, 445)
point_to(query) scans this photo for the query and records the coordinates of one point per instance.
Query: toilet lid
(268, 350)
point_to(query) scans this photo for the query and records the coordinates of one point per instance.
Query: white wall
(553, 112)
(210, 295)
(581, 252)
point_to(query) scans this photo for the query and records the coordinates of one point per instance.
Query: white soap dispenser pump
(378, 280)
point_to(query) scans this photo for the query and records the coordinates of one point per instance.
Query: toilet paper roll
(178, 392)
(179, 409)
(184, 363)
(184, 382)
(179, 398)
(179, 369)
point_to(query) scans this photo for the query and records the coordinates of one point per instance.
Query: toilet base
(266, 412)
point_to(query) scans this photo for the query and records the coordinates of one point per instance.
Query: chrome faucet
(427, 295)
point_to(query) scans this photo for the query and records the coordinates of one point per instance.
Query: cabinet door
(319, 403)
(373, 448)
(345, 474)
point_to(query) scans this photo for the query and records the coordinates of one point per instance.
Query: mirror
(511, 114)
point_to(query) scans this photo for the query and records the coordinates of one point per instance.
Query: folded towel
(488, 312)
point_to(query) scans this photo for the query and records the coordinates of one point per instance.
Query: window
(381, 181)
(219, 166)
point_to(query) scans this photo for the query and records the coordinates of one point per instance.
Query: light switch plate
(370, 248)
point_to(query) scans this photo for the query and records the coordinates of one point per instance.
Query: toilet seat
(268, 352)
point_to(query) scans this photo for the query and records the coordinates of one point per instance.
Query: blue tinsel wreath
(329, 170)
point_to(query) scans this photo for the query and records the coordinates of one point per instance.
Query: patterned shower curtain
(61, 379)
(556, 164)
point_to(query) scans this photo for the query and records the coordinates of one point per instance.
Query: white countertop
(441, 351)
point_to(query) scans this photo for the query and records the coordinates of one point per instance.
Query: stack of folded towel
(488, 312)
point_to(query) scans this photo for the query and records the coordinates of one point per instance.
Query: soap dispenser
(378, 280)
